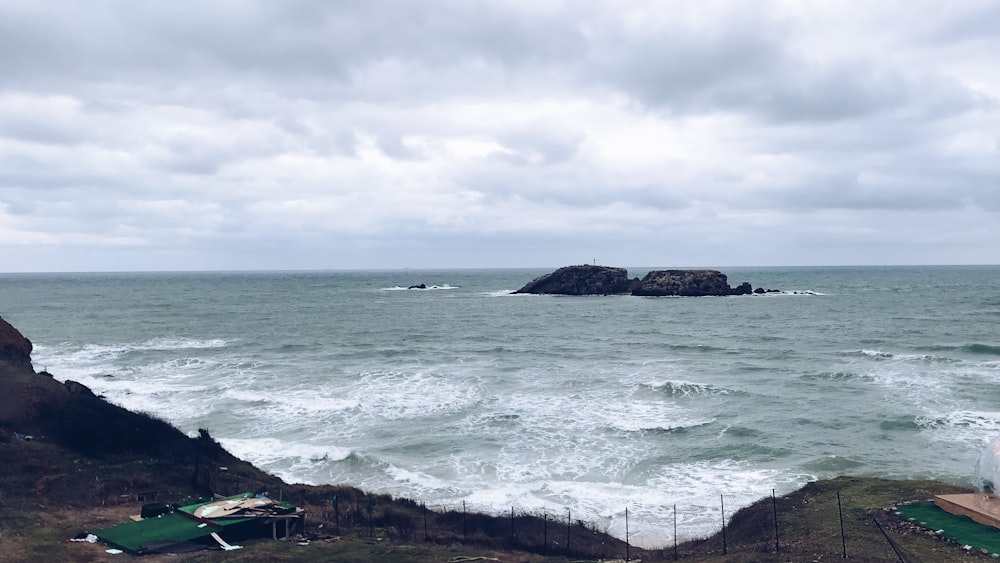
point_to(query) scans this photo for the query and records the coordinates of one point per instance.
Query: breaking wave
(418, 288)
(686, 389)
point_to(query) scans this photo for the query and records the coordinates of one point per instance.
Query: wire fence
(771, 527)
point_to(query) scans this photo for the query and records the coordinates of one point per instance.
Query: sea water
(549, 404)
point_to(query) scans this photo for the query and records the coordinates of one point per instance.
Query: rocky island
(604, 280)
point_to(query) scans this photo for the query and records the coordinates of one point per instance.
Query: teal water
(465, 392)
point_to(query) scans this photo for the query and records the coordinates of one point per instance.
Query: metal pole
(892, 544)
(569, 527)
(371, 524)
(627, 558)
(843, 538)
(722, 501)
(675, 532)
(545, 533)
(465, 526)
(774, 503)
(425, 522)
(513, 532)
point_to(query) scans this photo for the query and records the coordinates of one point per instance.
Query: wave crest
(686, 389)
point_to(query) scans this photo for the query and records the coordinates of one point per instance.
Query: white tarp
(987, 476)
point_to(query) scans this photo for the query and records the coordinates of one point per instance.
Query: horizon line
(475, 268)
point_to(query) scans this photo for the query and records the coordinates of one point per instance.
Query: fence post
(774, 503)
(843, 538)
(892, 544)
(336, 514)
(545, 532)
(627, 558)
(371, 524)
(675, 532)
(569, 527)
(722, 502)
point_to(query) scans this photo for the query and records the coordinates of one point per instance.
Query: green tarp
(961, 529)
(181, 530)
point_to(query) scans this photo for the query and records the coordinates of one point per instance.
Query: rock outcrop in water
(688, 283)
(604, 280)
(581, 280)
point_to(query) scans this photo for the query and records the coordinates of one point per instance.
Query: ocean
(464, 392)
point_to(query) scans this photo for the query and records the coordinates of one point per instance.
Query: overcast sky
(218, 135)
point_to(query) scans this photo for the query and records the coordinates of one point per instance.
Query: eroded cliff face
(15, 349)
(55, 436)
(23, 393)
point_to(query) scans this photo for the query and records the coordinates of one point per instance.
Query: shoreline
(87, 453)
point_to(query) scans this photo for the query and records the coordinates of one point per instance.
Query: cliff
(15, 349)
(70, 427)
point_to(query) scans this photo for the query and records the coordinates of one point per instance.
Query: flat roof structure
(181, 530)
(981, 507)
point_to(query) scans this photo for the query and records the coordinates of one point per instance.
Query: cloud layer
(301, 134)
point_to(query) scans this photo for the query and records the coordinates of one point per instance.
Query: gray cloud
(201, 132)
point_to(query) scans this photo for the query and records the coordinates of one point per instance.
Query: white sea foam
(421, 482)
(971, 427)
(427, 288)
(681, 388)
(402, 395)
(799, 292)
(179, 344)
(287, 459)
(639, 416)
(930, 388)
(878, 354)
(67, 361)
(292, 403)
(696, 489)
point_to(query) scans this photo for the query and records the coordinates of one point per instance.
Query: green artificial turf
(960, 529)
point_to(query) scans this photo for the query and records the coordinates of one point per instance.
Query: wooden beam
(981, 507)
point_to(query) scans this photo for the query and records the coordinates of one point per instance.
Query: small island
(604, 280)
